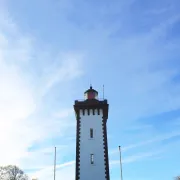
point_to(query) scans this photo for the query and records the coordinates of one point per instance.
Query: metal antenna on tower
(103, 91)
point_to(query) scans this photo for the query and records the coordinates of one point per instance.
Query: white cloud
(136, 157)
(18, 96)
(63, 171)
(63, 113)
(43, 158)
(69, 69)
(16, 104)
(146, 77)
(21, 124)
(159, 11)
(139, 127)
(159, 138)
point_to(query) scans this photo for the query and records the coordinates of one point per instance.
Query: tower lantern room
(91, 94)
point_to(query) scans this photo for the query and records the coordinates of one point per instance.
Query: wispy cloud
(136, 157)
(17, 100)
(63, 113)
(70, 68)
(159, 11)
(45, 157)
(21, 99)
(130, 45)
(64, 171)
(159, 138)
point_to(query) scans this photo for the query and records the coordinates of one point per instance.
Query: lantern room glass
(91, 95)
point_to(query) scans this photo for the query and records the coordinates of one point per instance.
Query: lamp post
(120, 162)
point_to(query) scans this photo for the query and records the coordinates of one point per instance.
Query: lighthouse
(92, 161)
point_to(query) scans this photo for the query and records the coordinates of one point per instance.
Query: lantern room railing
(99, 99)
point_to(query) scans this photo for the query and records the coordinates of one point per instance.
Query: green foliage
(12, 173)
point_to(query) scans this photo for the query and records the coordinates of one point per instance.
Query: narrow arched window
(92, 158)
(91, 133)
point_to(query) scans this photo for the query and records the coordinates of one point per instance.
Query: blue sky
(50, 52)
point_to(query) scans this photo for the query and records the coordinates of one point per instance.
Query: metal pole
(55, 165)
(120, 162)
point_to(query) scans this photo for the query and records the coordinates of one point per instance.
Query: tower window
(92, 158)
(91, 133)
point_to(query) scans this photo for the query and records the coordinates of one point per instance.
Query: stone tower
(91, 137)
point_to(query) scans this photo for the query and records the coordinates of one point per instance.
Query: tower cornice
(92, 104)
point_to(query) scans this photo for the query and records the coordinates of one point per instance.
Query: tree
(2, 173)
(12, 173)
(177, 178)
